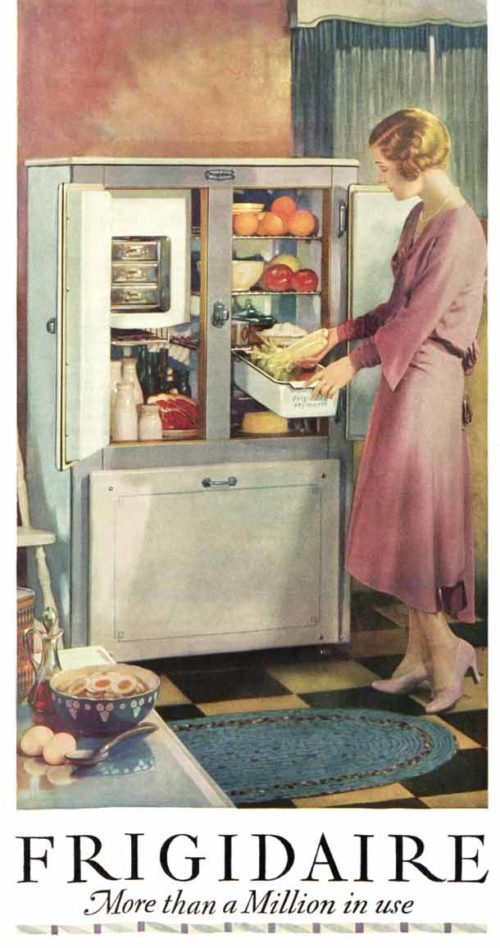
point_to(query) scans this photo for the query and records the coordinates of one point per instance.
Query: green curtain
(346, 76)
(461, 100)
(377, 70)
(313, 59)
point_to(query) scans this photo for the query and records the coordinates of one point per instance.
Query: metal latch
(230, 482)
(220, 314)
(51, 325)
(342, 219)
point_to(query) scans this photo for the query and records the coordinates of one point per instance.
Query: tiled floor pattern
(302, 677)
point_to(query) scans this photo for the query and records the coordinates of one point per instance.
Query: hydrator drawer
(288, 399)
(214, 558)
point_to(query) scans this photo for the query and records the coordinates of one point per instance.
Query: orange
(284, 205)
(270, 225)
(245, 224)
(284, 218)
(301, 223)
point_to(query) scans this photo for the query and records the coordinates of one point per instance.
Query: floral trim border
(270, 928)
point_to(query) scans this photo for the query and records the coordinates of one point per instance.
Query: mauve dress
(410, 531)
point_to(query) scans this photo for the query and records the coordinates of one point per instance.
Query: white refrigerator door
(375, 223)
(84, 330)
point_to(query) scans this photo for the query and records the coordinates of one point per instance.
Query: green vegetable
(279, 362)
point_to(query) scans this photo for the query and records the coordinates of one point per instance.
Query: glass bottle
(129, 374)
(115, 378)
(150, 428)
(124, 416)
(39, 696)
(181, 381)
(162, 375)
(149, 385)
(141, 363)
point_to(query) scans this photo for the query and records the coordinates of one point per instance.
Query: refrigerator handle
(220, 314)
(342, 219)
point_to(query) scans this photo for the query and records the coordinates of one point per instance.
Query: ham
(176, 411)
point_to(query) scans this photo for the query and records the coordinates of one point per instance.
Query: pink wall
(149, 78)
(154, 77)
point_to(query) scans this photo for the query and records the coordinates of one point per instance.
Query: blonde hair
(416, 139)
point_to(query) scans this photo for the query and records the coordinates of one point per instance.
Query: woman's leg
(450, 658)
(417, 651)
(441, 644)
(414, 666)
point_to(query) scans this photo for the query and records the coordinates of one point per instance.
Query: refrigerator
(228, 532)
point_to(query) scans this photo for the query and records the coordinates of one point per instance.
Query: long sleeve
(364, 326)
(367, 325)
(365, 356)
(444, 287)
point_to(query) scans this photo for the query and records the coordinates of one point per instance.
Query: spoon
(89, 757)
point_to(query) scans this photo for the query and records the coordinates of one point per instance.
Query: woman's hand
(311, 363)
(329, 380)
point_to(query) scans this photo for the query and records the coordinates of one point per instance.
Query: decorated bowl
(103, 699)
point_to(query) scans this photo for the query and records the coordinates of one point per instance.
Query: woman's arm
(364, 326)
(329, 380)
(359, 328)
(334, 376)
(450, 272)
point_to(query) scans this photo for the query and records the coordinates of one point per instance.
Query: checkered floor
(301, 677)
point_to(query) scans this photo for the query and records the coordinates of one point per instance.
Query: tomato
(305, 281)
(277, 277)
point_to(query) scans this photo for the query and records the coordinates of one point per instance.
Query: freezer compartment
(214, 558)
(288, 399)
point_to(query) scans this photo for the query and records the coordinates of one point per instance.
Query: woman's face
(388, 173)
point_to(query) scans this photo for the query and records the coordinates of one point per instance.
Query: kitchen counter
(156, 770)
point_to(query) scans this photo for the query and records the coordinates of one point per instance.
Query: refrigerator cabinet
(214, 557)
(132, 566)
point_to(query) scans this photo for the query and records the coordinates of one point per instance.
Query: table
(156, 770)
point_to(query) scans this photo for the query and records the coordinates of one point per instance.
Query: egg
(34, 767)
(35, 739)
(60, 776)
(124, 685)
(77, 686)
(101, 682)
(59, 745)
(96, 684)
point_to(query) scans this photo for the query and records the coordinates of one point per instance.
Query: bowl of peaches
(283, 217)
(103, 699)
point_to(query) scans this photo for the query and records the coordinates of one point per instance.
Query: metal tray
(288, 399)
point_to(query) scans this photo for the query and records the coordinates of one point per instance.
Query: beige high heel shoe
(445, 698)
(403, 683)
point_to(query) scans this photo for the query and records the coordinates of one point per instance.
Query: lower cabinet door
(225, 557)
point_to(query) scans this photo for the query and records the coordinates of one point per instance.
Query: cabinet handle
(342, 219)
(230, 482)
(220, 314)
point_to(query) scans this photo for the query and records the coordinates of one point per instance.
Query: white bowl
(246, 273)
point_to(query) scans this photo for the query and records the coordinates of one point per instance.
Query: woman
(411, 531)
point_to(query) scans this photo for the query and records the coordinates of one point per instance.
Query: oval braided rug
(297, 753)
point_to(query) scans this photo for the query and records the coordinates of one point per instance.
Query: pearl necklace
(425, 220)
